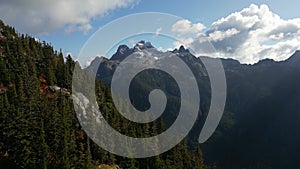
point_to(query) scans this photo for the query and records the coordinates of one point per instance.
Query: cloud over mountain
(251, 34)
(41, 16)
(186, 27)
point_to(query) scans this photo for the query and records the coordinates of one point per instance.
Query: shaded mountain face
(122, 52)
(260, 127)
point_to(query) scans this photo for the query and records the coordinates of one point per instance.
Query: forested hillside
(39, 128)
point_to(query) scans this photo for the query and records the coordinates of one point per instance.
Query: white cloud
(186, 27)
(79, 28)
(157, 32)
(250, 35)
(42, 16)
(221, 35)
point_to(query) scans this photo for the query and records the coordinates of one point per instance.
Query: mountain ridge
(123, 51)
(261, 114)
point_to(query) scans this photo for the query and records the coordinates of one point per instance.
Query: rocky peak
(181, 50)
(122, 49)
(143, 45)
(121, 53)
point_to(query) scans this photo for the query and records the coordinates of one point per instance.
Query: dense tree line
(39, 128)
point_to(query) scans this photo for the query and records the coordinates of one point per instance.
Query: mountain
(123, 51)
(40, 129)
(39, 126)
(260, 125)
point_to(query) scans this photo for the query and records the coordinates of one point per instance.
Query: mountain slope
(261, 121)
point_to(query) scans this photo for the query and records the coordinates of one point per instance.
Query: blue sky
(204, 11)
(55, 22)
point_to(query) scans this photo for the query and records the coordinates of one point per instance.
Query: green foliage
(40, 130)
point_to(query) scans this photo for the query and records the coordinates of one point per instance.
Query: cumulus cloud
(42, 16)
(221, 35)
(186, 27)
(250, 35)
